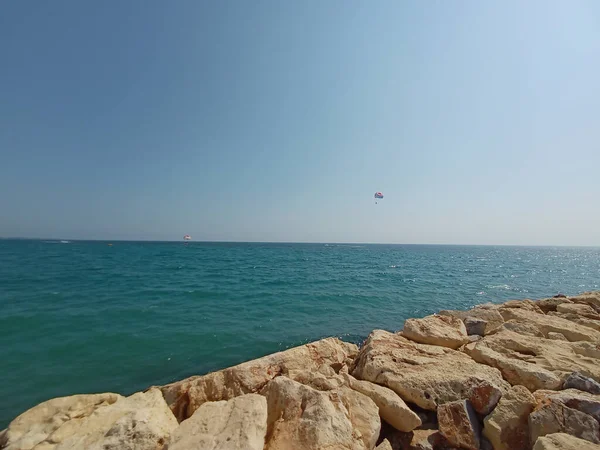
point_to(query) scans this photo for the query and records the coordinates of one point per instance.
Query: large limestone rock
(547, 323)
(324, 379)
(240, 423)
(525, 305)
(535, 363)
(582, 383)
(582, 401)
(556, 336)
(303, 418)
(104, 422)
(426, 375)
(459, 424)
(184, 397)
(588, 298)
(590, 323)
(493, 319)
(507, 352)
(563, 441)
(554, 417)
(445, 331)
(580, 309)
(38, 423)
(392, 408)
(550, 304)
(524, 328)
(507, 426)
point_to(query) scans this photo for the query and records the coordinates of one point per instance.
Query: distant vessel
(187, 237)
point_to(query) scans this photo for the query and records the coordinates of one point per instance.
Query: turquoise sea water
(82, 317)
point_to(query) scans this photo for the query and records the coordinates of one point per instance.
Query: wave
(504, 287)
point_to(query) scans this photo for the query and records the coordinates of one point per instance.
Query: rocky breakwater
(518, 375)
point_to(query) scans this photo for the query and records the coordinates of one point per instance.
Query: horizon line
(18, 238)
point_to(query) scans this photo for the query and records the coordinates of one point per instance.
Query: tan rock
(507, 426)
(588, 298)
(142, 421)
(426, 375)
(550, 304)
(300, 417)
(524, 328)
(239, 423)
(526, 305)
(510, 353)
(584, 348)
(392, 408)
(364, 415)
(38, 423)
(563, 441)
(536, 363)
(590, 323)
(580, 309)
(445, 331)
(557, 336)
(184, 397)
(547, 323)
(555, 417)
(385, 445)
(459, 424)
(582, 401)
(488, 305)
(323, 380)
(487, 313)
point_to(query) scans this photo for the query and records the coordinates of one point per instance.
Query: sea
(93, 316)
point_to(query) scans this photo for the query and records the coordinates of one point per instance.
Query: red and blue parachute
(378, 196)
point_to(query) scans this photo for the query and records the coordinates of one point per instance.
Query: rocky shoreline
(519, 375)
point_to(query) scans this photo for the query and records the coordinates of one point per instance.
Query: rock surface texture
(103, 422)
(459, 424)
(520, 375)
(445, 331)
(425, 375)
(507, 426)
(184, 397)
(392, 408)
(562, 441)
(238, 423)
(300, 417)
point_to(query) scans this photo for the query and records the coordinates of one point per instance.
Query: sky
(278, 121)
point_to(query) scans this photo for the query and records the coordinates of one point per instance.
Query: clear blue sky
(278, 120)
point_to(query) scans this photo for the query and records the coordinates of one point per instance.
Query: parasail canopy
(378, 195)
(187, 237)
